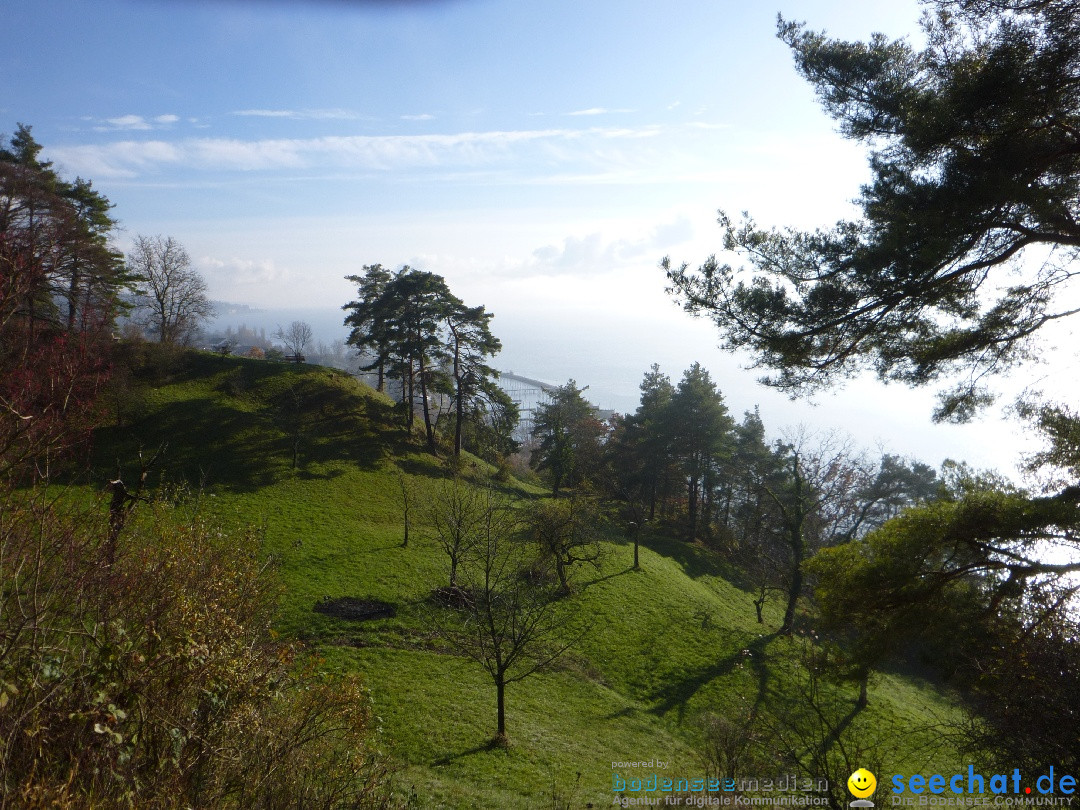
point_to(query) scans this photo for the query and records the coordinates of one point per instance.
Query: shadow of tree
(605, 578)
(677, 693)
(242, 428)
(696, 559)
(448, 759)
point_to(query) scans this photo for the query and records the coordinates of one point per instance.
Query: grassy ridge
(661, 646)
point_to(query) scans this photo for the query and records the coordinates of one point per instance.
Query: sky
(542, 157)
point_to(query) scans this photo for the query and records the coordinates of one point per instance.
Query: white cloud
(523, 150)
(598, 253)
(239, 155)
(125, 122)
(334, 114)
(134, 123)
(600, 111)
(239, 277)
(420, 117)
(123, 159)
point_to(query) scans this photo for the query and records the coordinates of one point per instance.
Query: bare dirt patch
(353, 609)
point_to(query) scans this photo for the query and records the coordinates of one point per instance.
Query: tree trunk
(429, 432)
(693, 513)
(460, 418)
(500, 702)
(795, 588)
(560, 569)
(798, 546)
(459, 392)
(706, 513)
(411, 396)
(73, 297)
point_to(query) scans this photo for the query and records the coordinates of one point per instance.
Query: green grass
(660, 646)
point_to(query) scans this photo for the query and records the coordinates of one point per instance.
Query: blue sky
(541, 156)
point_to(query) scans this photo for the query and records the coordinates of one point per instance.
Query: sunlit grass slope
(659, 647)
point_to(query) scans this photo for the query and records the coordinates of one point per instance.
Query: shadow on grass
(377, 549)
(841, 727)
(242, 433)
(591, 582)
(695, 559)
(677, 693)
(427, 466)
(306, 474)
(490, 745)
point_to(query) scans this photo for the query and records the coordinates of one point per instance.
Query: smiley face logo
(861, 783)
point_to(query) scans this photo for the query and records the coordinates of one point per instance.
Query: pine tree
(970, 226)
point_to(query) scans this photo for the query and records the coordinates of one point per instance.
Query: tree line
(682, 462)
(408, 326)
(886, 560)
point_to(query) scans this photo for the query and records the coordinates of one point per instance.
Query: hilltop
(671, 664)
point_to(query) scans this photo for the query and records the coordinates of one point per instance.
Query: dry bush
(155, 682)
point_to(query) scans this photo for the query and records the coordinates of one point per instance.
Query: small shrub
(503, 470)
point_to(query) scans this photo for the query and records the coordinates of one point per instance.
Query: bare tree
(296, 337)
(816, 504)
(505, 620)
(173, 294)
(458, 514)
(563, 531)
(408, 490)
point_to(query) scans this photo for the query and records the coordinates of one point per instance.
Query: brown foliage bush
(155, 682)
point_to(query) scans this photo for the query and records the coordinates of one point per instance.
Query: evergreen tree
(370, 320)
(969, 227)
(653, 423)
(69, 275)
(410, 325)
(469, 344)
(752, 527)
(700, 431)
(568, 438)
(639, 451)
(422, 301)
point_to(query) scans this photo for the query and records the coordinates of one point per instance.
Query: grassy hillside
(662, 647)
